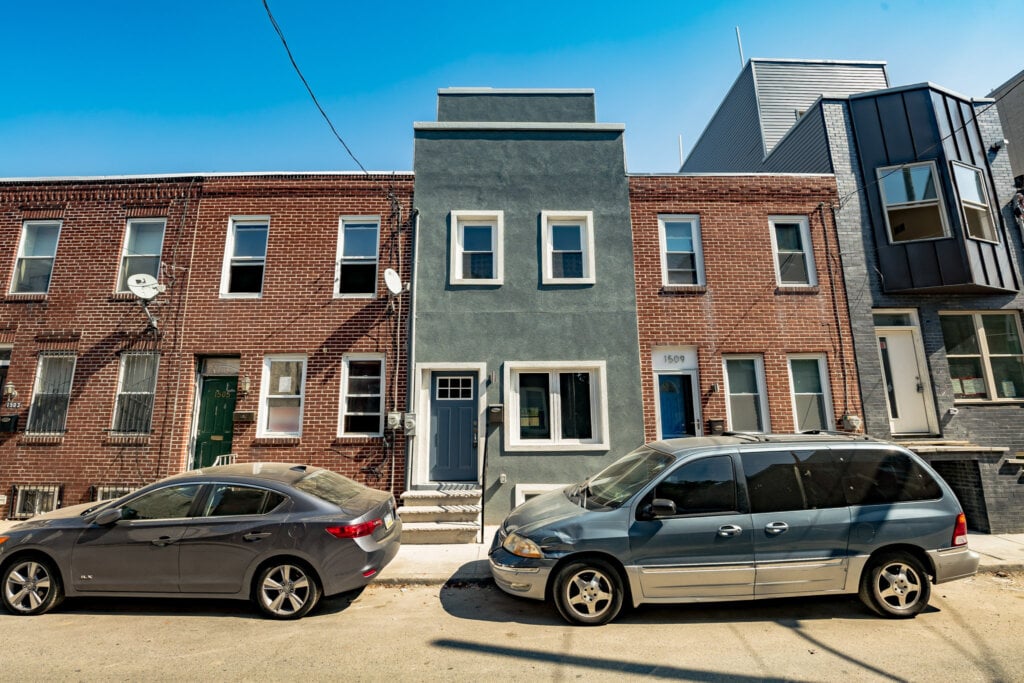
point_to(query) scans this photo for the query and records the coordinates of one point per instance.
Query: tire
(30, 586)
(588, 593)
(895, 585)
(285, 590)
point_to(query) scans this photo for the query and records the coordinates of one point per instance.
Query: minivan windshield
(617, 483)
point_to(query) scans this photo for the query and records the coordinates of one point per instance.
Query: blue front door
(453, 426)
(675, 406)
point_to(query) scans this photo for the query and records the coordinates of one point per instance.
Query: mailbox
(8, 423)
(495, 414)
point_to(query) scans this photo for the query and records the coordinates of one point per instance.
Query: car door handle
(163, 540)
(727, 530)
(255, 536)
(776, 528)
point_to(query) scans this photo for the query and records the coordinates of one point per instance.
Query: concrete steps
(448, 514)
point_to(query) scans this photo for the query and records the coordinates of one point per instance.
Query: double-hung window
(568, 243)
(133, 411)
(51, 393)
(913, 202)
(36, 252)
(970, 184)
(362, 395)
(812, 405)
(356, 270)
(557, 406)
(682, 259)
(282, 392)
(986, 358)
(746, 404)
(245, 257)
(143, 244)
(476, 247)
(794, 258)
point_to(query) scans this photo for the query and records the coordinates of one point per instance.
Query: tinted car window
(794, 480)
(878, 476)
(241, 500)
(703, 486)
(329, 486)
(169, 502)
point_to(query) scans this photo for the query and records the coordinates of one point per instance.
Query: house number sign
(668, 359)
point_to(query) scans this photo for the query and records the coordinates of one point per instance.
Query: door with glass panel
(906, 385)
(453, 426)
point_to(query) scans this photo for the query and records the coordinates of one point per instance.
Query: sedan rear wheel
(588, 593)
(286, 590)
(30, 586)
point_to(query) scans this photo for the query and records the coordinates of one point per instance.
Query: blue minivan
(739, 517)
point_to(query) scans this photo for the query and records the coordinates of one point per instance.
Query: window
(705, 486)
(974, 203)
(558, 406)
(794, 480)
(745, 390)
(476, 248)
(568, 240)
(228, 499)
(111, 491)
(5, 363)
(169, 502)
(143, 244)
(133, 411)
(35, 500)
(985, 356)
(245, 257)
(281, 396)
(682, 259)
(36, 253)
(51, 394)
(362, 396)
(454, 388)
(812, 406)
(875, 477)
(357, 256)
(794, 258)
(913, 202)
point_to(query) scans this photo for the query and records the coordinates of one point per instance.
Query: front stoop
(443, 515)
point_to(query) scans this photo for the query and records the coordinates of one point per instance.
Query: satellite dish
(393, 282)
(144, 286)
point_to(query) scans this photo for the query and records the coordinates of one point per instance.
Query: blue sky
(110, 87)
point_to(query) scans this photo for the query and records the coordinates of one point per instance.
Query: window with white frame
(245, 257)
(358, 247)
(51, 393)
(794, 257)
(36, 253)
(362, 395)
(556, 406)
(282, 392)
(970, 184)
(746, 405)
(568, 241)
(143, 244)
(913, 202)
(986, 358)
(812, 403)
(476, 247)
(133, 410)
(682, 258)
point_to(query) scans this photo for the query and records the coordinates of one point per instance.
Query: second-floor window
(51, 393)
(143, 243)
(568, 243)
(476, 247)
(357, 257)
(682, 260)
(913, 202)
(974, 203)
(245, 257)
(133, 411)
(794, 258)
(986, 358)
(36, 252)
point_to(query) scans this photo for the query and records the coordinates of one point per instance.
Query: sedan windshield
(617, 483)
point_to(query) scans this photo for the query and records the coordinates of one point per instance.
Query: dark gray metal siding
(805, 149)
(732, 140)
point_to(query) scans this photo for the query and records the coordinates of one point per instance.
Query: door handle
(255, 536)
(727, 530)
(776, 528)
(162, 541)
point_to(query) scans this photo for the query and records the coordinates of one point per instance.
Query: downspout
(829, 262)
(411, 382)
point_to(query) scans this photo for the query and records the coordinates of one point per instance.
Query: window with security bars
(357, 257)
(133, 411)
(51, 394)
(143, 243)
(110, 491)
(33, 499)
(362, 397)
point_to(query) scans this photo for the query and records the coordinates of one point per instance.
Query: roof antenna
(739, 44)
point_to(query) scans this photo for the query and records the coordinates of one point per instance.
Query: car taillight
(354, 530)
(960, 530)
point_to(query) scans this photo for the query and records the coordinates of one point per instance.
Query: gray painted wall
(483, 104)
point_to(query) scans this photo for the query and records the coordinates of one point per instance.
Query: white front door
(906, 381)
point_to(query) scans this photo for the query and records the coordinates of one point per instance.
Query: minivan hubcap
(589, 592)
(899, 585)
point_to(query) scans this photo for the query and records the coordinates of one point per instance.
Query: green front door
(216, 426)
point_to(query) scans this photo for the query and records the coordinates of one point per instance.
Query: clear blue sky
(109, 87)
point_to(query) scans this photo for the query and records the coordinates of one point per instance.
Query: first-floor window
(281, 396)
(986, 359)
(745, 389)
(362, 396)
(133, 412)
(557, 406)
(51, 393)
(809, 381)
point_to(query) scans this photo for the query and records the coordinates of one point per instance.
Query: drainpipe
(412, 385)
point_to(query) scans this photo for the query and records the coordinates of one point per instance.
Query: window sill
(684, 290)
(550, 447)
(123, 296)
(561, 282)
(28, 296)
(114, 439)
(354, 439)
(368, 295)
(276, 441)
(42, 439)
(798, 289)
(228, 296)
(967, 402)
(462, 282)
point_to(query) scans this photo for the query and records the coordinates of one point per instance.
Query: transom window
(556, 406)
(476, 250)
(51, 393)
(986, 359)
(143, 244)
(794, 258)
(812, 408)
(133, 411)
(358, 247)
(568, 240)
(913, 202)
(745, 388)
(682, 258)
(245, 257)
(974, 203)
(362, 396)
(36, 252)
(454, 388)
(281, 396)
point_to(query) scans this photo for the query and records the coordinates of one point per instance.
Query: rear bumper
(363, 560)
(954, 563)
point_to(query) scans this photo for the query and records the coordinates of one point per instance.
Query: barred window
(51, 394)
(133, 413)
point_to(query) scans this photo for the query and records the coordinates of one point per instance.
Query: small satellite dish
(393, 282)
(144, 286)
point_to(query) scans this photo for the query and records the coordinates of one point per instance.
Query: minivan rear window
(878, 476)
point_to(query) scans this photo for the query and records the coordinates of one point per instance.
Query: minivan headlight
(523, 547)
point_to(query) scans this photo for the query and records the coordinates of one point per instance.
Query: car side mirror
(107, 517)
(659, 507)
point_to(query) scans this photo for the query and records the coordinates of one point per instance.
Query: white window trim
(964, 203)
(985, 354)
(584, 218)
(883, 171)
(120, 386)
(496, 219)
(762, 388)
(229, 247)
(111, 491)
(341, 252)
(125, 254)
(21, 254)
(826, 388)
(261, 429)
(524, 492)
(35, 389)
(808, 252)
(698, 249)
(598, 402)
(344, 394)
